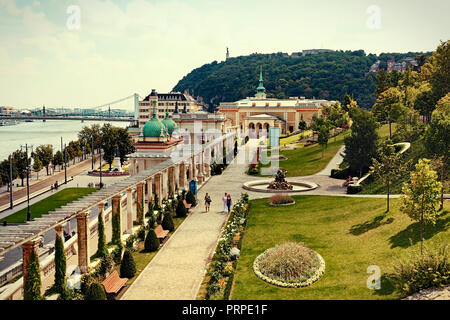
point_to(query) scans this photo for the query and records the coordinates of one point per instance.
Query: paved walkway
(177, 270)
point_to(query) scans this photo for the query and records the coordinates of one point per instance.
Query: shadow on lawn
(378, 221)
(411, 235)
(387, 286)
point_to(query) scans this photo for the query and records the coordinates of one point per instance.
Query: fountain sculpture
(280, 182)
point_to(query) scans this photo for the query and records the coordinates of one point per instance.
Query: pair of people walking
(226, 200)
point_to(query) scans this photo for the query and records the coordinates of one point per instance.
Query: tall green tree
(102, 251)
(124, 143)
(32, 287)
(60, 266)
(436, 141)
(361, 144)
(58, 159)
(420, 196)
(20, 162)
(109, 143)
(388, 107)
(425, 103)
(388, 167)
(37, 165)
(45, 154)
(323, 136)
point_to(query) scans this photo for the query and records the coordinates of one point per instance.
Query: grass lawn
(302, 135)
(350, 234)
(383, 131)
(308, 160)
(50, 203)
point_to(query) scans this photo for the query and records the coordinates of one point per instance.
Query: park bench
(113, 283)
(161, 233)
(187, 205)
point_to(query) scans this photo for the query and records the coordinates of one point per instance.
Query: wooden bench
(161, 233)
(113, 283)
(187, 205)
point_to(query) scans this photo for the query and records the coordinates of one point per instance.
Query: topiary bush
(96, 292)
(151, 241)
(190, 198)
(104, 266)
(181, 210)
(351, 189)
(117, 255)
(167, 223)
(281, 199)
(128, 265)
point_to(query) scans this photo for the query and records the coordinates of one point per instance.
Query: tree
(302, 125)
(128, 265)
(58, 159)
(440, 71)
(190, 198)
(60, 266)
(151, 242)
(443, 105)
(37, 166)
(102, 251)
(361, 144)
(181, 209)
(167, 222)
(20, 162)
(436, 141)
(91, 134)
(124, 143)
(388, 167)
(96, 292)
(5, 174)
(420, 195)
(425, 103)
(32, 287)
(388, 107)
(324, 134)
(45, 154)
(109, 143)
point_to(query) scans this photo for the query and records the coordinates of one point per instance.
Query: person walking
(224, 202)
(229, 203)
(207, 202)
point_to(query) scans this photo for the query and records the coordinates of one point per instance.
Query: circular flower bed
(289, 265)
(281, 200)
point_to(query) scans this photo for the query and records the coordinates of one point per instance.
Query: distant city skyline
(87, 53)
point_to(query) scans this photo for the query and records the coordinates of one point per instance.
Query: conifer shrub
(96, 292)
(117, 255)
(181, 210)
(32, 288)
(167, 223)
(104, 266)
(151, 241)
(60, 266)
(190, 198)
(101, 247)
(128, 265)
(116, 236)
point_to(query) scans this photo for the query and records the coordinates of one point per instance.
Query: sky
(90, 52)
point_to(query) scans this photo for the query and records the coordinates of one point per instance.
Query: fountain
(280, 182)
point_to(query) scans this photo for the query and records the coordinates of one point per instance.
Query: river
(38, 132)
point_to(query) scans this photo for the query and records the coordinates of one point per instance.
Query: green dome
(170, 124)
(154, 128)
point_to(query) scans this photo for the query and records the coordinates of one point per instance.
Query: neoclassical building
(260, 113)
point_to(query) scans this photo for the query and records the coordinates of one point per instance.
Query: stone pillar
(182, 178)
(194, 169)
(149, 190)
(129, 210)
(176, 173)
(171, 177)
(115, 219)
(83, 241)
(27, 249)
(164, 185)
(59, 230)
(158, 187)
(139, 204)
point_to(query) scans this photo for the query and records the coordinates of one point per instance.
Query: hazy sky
(122, 47)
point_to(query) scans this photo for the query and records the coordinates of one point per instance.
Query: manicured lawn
(295, 137)
(308, 160)
(50, 203)
(350, 234)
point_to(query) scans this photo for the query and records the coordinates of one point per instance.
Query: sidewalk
(177, 270)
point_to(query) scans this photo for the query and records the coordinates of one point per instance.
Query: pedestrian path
(177, 270)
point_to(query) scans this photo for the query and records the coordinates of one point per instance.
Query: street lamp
(28, 181)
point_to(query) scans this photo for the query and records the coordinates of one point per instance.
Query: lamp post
(28, 182)
(92, 148)
(11, 204)
(101, 183)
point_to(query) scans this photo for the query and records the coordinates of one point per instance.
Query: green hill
(328, 75)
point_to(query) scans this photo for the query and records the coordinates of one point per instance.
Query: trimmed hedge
(151, 241)
(128, 265)
(167, 223)
(181, 210)
(354, 189)
(96, 292)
